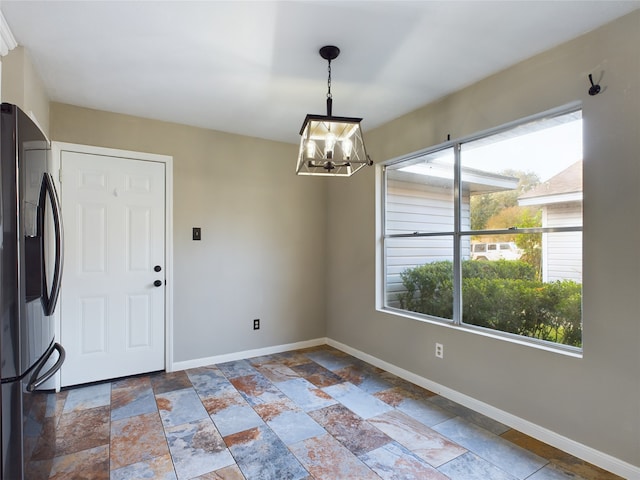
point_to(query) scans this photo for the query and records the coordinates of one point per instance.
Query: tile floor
(316, 413)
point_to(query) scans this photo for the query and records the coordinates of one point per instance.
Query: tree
(519, 217)
(530, 243)
(483, 207)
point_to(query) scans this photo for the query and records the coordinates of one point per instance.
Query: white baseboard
(230, 357)
(588, 454)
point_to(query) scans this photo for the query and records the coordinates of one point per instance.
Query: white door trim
(57, 149)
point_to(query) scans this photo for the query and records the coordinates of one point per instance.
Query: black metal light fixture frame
(342, 151)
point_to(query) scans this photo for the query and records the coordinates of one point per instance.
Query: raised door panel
(91, 238)
(139, 322)
(138, 239)
(93, 325)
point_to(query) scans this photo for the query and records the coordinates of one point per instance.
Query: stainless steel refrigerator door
(27, 293)
(38, 204)
(10, 279)
(12, 423)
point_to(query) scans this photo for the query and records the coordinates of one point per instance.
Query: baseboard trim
(230, 357)
(584, 452)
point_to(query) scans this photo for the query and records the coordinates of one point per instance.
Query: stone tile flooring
(316, 413)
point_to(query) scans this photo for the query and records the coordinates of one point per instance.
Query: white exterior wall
(562, 252)
(415, 207)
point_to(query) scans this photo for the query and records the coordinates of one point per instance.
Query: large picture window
(486, 232)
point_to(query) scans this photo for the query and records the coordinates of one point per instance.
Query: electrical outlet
(256, 324)
(439, 350)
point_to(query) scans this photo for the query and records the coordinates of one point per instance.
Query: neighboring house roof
(566, 186)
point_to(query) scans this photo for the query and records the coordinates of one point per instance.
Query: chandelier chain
(329, 81)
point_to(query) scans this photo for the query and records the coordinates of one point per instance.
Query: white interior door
(112, 315)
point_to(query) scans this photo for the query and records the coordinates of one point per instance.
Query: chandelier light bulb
(347, 147)
(329, 145)
(311, 149)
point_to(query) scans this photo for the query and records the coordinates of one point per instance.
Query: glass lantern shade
(331, 146)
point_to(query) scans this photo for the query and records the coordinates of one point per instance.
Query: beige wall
(593, 400)
(263, 229)
(22, 86)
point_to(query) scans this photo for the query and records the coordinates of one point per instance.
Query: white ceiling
(253, 68)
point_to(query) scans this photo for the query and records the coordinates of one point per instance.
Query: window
(486, 232)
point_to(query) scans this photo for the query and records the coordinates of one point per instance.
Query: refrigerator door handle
(36, 381)
(50, 298)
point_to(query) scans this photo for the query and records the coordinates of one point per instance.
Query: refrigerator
(30, 273)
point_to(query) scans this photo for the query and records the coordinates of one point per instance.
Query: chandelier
(331, 146)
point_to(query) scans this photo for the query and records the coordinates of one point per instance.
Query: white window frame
(457, 321)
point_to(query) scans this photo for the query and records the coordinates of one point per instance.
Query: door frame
(57, 148)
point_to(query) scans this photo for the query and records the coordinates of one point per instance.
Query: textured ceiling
(253, 67)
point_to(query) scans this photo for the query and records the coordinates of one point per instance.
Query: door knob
(157, 268)
(158, 283)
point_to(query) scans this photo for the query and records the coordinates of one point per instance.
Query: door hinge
(60, 175)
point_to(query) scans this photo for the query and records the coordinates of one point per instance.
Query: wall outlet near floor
(256, 324)
(439, 350)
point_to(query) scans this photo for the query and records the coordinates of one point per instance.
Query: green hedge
(501, 295)
(513, 269)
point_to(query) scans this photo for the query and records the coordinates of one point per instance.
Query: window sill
(565, 350)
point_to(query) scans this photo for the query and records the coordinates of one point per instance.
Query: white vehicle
(495, 251)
